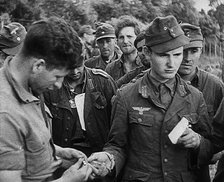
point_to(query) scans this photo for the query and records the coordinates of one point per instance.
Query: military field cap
(86, 29)
(12, 37)
(194, 33)
(165, 34)
(105, 30)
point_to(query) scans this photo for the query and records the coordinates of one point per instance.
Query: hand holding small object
(103, 163)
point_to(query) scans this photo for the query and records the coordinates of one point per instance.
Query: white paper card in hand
(178, 130)
(79, 102)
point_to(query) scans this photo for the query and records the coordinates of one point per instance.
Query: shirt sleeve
(11, 143)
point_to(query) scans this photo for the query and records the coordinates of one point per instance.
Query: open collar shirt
(24, 138)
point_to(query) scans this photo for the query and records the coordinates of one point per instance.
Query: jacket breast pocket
(191, 117)
(99, 101)
(141, 131)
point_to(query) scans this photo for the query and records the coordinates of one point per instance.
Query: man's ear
(38, 65)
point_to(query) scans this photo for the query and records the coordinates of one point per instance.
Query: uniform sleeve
(203, 126)
(110, 89)
(219, 94)
(11, 144)
(118, 135)
(218, 129)
(215, 144)
(129, 76)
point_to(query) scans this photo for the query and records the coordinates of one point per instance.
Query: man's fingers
(88, 172)
(92, 158)
(94, 169)
(78, 164)
(79, 154)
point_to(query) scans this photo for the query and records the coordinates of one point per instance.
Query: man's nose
(170, 61)
(186, 56)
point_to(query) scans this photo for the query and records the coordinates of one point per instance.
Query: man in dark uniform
(139, 71)
(106, 41)
(145, 112)
(81, 109)
(126, 31)
(211, 86)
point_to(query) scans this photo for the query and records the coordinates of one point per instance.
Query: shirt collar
(20, 91)
(147, 84)
(170, 84)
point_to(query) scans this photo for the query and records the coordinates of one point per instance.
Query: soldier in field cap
(87, 34)
(190, 72)
(145, 112)
(106, 41)
(11, 39)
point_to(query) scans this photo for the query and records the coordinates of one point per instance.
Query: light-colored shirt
(24, 138)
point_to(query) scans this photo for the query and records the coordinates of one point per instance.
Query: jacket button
(165, 146)
(165, 173)
(66, 140)
(67, 129)
(166, 131)
(68, 118)
(165, 160)
(139, 120)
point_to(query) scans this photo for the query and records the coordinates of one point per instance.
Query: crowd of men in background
(100, 105)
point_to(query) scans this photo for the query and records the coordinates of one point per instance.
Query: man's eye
(194, 50)
(179, 54)
(139, 49)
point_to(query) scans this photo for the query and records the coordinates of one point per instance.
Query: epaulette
(99, 72)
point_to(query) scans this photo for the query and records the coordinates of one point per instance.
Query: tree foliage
(219, 15)
(79, 12)
(184, 11)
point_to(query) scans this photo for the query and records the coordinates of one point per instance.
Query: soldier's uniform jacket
(99, 90)
(99, 63)
(116, 68)
(211, 87)
(140, 128)
(213, 91)
(131, 76)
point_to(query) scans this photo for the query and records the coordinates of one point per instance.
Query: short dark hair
(55, 41)
(126, 21)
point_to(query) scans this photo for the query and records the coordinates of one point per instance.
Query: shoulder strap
(99, 72)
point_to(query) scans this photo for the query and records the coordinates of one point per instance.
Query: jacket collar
(179, 100)
(145, 87)
(138, 61)
(24, 95)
